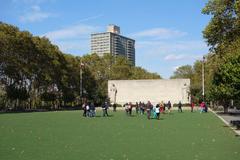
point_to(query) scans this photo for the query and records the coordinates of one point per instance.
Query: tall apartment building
(114, 43)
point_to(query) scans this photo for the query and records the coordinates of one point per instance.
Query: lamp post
(203, 77)
(80, 79)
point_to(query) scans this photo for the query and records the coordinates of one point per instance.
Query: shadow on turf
(156, 119)
(226, 126)
(99, 116)
(132, 116)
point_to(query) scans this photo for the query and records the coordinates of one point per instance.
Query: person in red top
(192, 106)
(202, 107)
(161, 107)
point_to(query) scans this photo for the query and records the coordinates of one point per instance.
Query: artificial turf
(69, 136)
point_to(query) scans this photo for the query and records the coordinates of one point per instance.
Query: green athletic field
(67, 135)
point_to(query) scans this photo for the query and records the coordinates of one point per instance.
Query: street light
(203, 77)
(81, 79)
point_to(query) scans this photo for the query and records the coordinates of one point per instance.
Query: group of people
(159, 108)
(202, 107)
(89, 109)
(153, 111)
(149, 108)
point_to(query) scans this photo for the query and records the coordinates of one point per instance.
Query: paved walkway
(226, 118)
(229, 117)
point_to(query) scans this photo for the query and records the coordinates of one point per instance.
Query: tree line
(35, 74)
(222, 63)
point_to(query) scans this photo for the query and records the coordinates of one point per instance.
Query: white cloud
(179, 48)
(175, 68)
(36, 8)
(174, 57)
(159, 33)
(168, 44)
(75, 31)
(166, 49)
(35, 14)
(74, 46)
(73, 39)
(90, 18)
(31, 2)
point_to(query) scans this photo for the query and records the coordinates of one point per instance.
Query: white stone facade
(175, 90)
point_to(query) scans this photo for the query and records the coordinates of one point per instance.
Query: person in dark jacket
(92, 110)
(114, 107)
(137, 108)
(130, 108)
(169, 106)
(205, 108)
(84, 107)
(179, 106)
(105, 108)
(148, 108)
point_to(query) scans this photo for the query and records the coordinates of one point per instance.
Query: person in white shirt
(88, 110)
(126, 106)
(157, 110)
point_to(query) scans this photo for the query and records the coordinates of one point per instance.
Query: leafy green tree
(121, 69)
(140, 73)
(194, 74)
(223, 35)
(226, 80)
(224, 26)
(34, 72)
(16, 50)
(185, 71)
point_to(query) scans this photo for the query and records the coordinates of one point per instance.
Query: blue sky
(168, 34)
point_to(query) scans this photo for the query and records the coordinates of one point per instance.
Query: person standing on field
(88, 110)
(148, 108)
(192, 106)
(84, 107)
(161, 107)
(92, 110)
(130, 108)
(105, 108)
(126, 108)
(157, 110)
(137, 108)
(169, 106)
(114, 107)
(180, 107)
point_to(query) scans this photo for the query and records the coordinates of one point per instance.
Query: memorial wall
(125, 91)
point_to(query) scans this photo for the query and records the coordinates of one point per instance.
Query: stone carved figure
(113, 93)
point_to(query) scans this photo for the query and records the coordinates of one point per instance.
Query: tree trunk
(225, 109)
